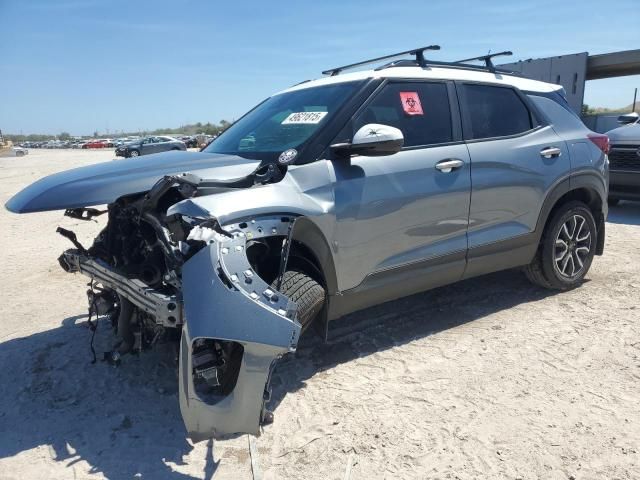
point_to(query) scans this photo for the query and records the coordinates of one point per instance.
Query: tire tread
(308, 294)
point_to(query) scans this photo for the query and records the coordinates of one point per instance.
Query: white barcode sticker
(304, 118)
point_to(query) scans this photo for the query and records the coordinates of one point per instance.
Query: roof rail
(418, 52)
(487, 59)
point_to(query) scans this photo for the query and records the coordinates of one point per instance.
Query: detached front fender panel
(225, 299)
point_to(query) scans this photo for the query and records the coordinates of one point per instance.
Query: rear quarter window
(560, 116)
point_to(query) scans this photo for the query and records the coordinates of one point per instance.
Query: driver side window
(419, 109)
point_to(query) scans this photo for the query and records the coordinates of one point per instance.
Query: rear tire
(308, 294)
(566, 249)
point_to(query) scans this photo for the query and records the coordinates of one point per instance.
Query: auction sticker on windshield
(304, 118)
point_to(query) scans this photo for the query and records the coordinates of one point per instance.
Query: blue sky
(85, 65)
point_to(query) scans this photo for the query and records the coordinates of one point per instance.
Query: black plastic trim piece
(501, 255)
(487, 59)
(418, 52)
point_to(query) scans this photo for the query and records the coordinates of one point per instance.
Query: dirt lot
(491, 378)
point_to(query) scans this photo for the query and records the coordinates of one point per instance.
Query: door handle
(446, 166)
(550, 152)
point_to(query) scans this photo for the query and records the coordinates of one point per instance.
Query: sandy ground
(490, 378)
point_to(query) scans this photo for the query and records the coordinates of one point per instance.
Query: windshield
(283, 121)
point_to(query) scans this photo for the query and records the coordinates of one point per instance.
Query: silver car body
(382, 227)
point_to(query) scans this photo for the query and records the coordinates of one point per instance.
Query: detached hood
(103, 183)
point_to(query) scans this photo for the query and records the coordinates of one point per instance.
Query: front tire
(566, 249)
(308, 294)
(134, 153)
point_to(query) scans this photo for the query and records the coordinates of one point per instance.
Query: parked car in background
(624, 159)
(16, 151)
(95, 144)
(121, 141)
(190, 141)
(148, 145)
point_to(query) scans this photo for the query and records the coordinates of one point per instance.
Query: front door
(397, 215)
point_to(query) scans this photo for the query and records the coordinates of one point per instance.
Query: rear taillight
(602, 141)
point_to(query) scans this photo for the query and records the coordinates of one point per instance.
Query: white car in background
(15, 152)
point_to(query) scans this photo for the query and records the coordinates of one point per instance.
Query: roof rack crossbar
(487, 59)
(418, 52)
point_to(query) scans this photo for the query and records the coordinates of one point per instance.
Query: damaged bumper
(166, 309)
(223, 301)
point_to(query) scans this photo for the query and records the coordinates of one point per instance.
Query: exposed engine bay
(151, 271)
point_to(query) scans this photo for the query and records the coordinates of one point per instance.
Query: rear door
(146, 146)
(164, 144)
(515, 160)
(395, 214)
(156, 145)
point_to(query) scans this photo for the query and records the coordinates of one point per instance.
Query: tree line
(190, 129)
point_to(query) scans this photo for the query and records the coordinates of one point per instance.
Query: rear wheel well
(585, 195)
(590, 198)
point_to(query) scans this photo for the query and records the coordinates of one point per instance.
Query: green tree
(64, 136)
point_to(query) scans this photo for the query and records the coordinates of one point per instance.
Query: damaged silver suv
(329, 197)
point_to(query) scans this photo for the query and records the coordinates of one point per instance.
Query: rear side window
(420, 110)
(495, 111)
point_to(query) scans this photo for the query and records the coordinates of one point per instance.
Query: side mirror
(373, 139)
(628, 118)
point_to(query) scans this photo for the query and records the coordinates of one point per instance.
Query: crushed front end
(186, 279)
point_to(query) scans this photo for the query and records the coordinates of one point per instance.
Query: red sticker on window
(411, 103)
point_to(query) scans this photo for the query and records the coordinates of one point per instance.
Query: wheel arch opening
(593, 200)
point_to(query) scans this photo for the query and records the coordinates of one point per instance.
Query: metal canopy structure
(615, 64)
(573, 70)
